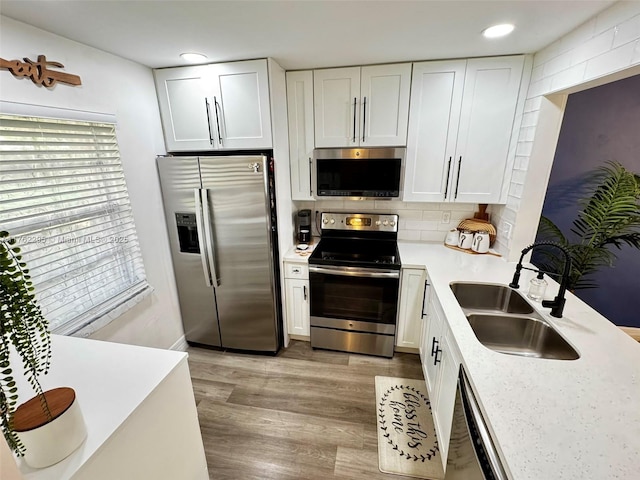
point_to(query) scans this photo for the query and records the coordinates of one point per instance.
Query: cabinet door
(300, 118)
(434, 328)
(336, 93)
(240, 105)
(447, 384)
(184, 110)
(412, 288)
(297, 297)
(384, 105)
(491, 89)
(436, 98)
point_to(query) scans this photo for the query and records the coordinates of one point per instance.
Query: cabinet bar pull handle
(364, 117)
(434, 346)
(206, 107)
(424, 298)
(355, 103)
(446, 186)
(304, 291)
(437, 360)
(458, 179)
(215, 104)
(310, 179)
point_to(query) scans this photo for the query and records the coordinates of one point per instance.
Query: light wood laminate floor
(304, 414)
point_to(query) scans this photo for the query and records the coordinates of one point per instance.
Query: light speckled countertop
(551, 419)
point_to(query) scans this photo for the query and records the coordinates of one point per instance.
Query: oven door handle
(356, 272)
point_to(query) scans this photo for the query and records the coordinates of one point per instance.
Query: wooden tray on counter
(466, 250)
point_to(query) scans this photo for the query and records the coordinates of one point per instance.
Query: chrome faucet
(557, 304)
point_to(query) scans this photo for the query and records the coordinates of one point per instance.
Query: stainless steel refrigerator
(220, 214)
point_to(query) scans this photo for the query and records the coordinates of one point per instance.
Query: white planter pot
(55, 440)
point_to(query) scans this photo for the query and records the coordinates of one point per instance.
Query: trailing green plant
(609, 217)
(23, 327)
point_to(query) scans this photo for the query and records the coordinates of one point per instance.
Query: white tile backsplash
(578, 36)
(416, 221)
(636, 54)
(557, 64)
(612, 61)
(604, 44)
(627, 31)
(617, 14)
(593, 47)
(568, 77)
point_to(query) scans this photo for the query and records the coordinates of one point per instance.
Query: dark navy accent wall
(599, 124)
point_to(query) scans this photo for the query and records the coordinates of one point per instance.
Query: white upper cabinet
(436, 99)
(240, 93)
(461, 122)
(182, 98)
(491, 88)
(300, 117)
(212, 107)
(384, 105)
(362, 106)
(336, 92)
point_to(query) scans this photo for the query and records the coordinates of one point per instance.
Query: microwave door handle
(201, 235)
(310, 177)
(206, 213)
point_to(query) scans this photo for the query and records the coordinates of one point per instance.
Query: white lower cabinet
(413, 290)
(446, 391)
(440, 364)
(296, 286)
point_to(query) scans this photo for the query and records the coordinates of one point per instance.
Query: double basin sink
(505, 322)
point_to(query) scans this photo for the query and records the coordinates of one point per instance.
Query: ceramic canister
(481, 242)
(466, 239)
(453, 237)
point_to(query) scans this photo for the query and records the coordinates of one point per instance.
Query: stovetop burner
(358, 240)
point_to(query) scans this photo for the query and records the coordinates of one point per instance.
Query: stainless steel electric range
(354, 278)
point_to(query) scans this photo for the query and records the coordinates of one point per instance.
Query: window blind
(64, 198)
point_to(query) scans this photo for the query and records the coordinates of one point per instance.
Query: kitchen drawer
(296, 270)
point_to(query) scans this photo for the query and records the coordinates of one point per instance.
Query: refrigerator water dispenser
(187, 232)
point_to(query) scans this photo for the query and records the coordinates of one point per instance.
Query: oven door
(357, 299)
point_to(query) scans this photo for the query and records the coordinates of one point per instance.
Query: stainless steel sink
(524, 336)
(505, 322)
(488, 297)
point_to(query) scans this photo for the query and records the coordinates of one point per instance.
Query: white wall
(603, 49)
(116, 86)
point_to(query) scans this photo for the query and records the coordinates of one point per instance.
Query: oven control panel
(359, 221)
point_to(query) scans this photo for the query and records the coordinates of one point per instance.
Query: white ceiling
(303, 34)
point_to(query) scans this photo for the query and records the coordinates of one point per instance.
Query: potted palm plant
(24, 336)
(610, 217)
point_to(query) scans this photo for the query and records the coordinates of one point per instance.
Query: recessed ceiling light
(498, 30)
(193, 57)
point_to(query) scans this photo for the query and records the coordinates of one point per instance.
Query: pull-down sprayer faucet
(557, 304)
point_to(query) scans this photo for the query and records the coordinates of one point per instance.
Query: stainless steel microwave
(373, 173)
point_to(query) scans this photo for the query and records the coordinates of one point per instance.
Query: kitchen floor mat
(407, 443)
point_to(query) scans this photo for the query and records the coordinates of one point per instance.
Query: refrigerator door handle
(201, 235)
(211, 256)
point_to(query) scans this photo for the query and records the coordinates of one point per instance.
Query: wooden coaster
(31, 415)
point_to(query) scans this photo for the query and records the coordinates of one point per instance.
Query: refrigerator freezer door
(180, 181)
(241, 232)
